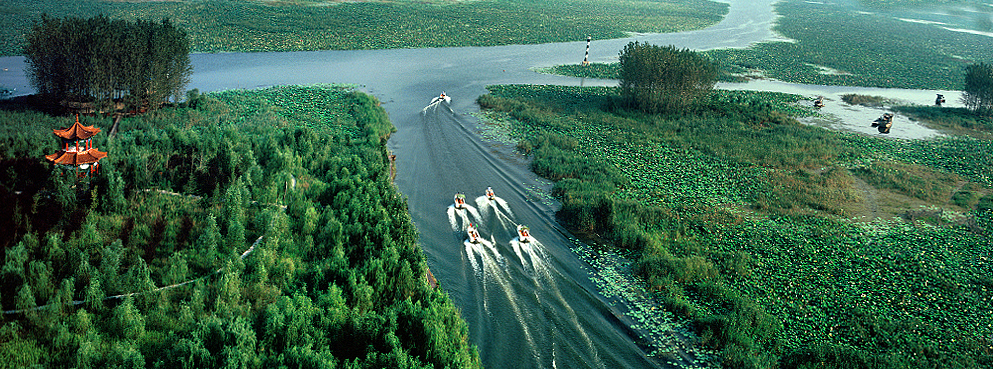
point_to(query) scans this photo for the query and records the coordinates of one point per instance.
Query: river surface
(528, 305)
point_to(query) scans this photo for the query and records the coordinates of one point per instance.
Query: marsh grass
(959, 121)
(738, 217)
(916, 181)
(865, 100)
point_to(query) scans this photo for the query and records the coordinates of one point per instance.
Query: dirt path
(870, 200)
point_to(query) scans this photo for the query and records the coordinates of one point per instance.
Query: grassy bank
(784, 244)
(216, 25)
(275, 204)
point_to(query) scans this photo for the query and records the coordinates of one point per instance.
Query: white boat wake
(500, 209)
(459, 219)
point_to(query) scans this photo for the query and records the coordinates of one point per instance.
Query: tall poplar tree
(978, 92)
(104, 62)
(663, 78)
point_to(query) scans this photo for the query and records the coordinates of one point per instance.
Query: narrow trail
(870, 198)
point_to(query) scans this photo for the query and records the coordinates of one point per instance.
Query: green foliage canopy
(978, 91)
(336, 281)
(103, 61)
(664, 78)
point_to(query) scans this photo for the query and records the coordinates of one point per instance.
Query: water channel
(528, 305)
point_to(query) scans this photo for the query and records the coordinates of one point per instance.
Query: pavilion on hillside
(77, 148)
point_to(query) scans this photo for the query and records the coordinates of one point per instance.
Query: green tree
(978, 92)
(664, 78)
(103, 61)
(128, 323)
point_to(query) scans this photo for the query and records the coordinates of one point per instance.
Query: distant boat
(489, 193)
(442, 97)
(459, 201)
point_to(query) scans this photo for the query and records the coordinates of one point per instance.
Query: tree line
(103, 61)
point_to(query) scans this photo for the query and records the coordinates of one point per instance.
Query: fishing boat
(472, 233)
(523, 233)
(442, 97)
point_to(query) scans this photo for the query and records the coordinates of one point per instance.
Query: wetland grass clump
(864, 100)
(743, 225)
(956, 120)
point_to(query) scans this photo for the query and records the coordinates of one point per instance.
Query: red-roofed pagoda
(77, 148)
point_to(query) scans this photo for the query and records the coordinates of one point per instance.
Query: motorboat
(489, 193)
(472, 233)
(442, 97)
(819, 103)
(883, 123)
(460, 200)
(523, 233)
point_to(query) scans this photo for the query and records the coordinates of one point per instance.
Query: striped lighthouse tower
(586, 59)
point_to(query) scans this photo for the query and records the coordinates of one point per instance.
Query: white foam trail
(500, 209)
(543, 278)
(460, 218)
(492, 271)
(434, 106)
(470, 252)
(517, 250)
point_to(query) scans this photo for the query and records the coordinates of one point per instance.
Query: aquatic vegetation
(872, 49)
(259, 26)
(856, 99)
(730, 215)
(666, 335)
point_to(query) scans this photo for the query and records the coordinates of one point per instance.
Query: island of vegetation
(783, 245)
(237, 229)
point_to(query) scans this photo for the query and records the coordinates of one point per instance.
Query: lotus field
(794, 284)
(835, 44)
(319, 106)
(216, 25)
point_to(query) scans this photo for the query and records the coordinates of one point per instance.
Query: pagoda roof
(76, 158)
(77, 131)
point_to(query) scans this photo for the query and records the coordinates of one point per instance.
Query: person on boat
(472, 233)
(884, 123)
(441, 98)
(939, 100)
(489, 193)
(887, 117)
(819, 103)
(459, 200)
(523, 233)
